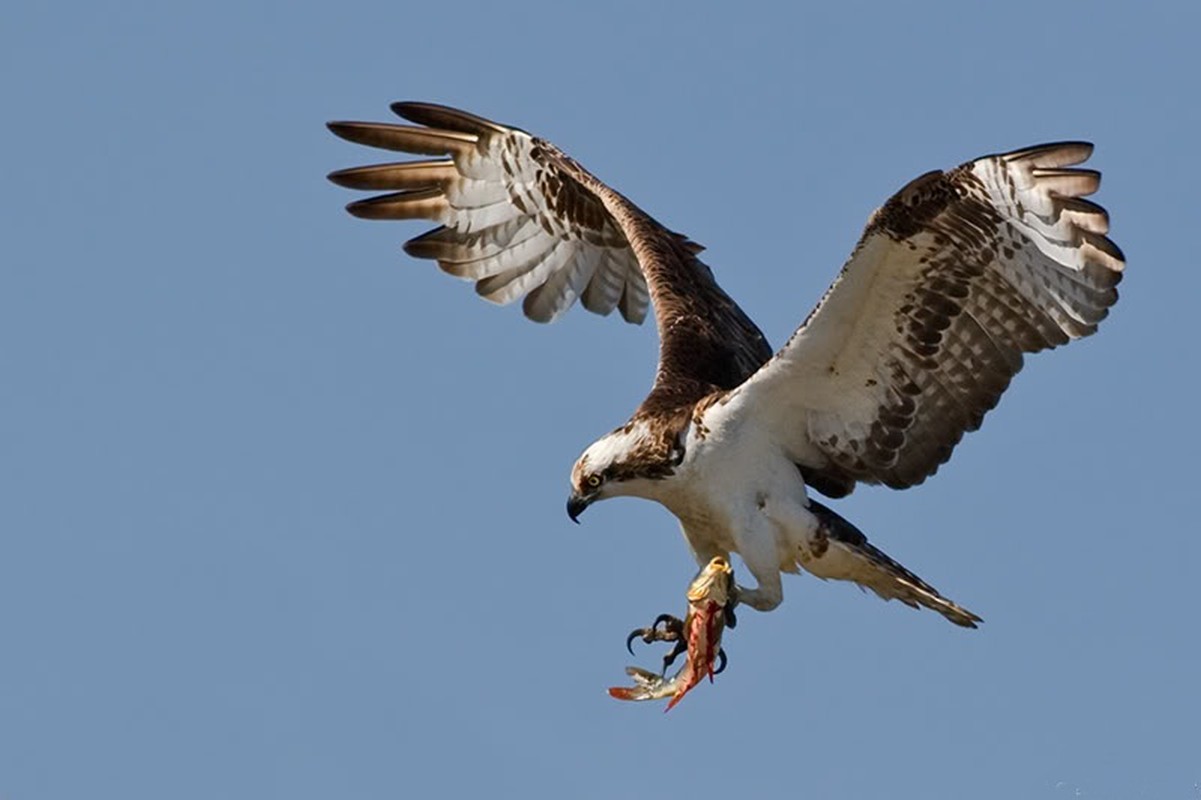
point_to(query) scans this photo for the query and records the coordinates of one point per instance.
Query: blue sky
(283, 509)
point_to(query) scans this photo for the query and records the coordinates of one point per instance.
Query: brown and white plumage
(523, 219)
(956, 277)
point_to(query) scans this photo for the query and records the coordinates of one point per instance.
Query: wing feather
(534, 271)
(420, 204)
(956, 277)
(523, 219)
(563, 287)
(604, 290)
(410, 175)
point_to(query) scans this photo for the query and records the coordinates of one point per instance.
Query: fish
(698, 635)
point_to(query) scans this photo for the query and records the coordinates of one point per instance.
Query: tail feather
(848, 555)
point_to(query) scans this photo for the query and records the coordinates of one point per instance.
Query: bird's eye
(594, 481)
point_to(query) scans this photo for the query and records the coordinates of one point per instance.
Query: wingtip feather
(404, 138)
(409, 175)
(436, 115)
(423, 204)
(1053, 154)
(1067, 182)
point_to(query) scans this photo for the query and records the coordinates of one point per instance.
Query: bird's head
(628, 461)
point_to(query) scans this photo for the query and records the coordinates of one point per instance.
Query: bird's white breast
(730, 470)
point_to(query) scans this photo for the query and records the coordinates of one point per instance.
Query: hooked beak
(576, 505)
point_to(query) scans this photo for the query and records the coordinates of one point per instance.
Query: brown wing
(957, 276)
(522, 219)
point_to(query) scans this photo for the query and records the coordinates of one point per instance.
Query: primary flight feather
(956, 277)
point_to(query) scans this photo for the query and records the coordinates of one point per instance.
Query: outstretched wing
(522, 219)
(957, 276)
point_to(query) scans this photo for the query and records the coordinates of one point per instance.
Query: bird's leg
(756, 540)
(766, 596)
(728, 611)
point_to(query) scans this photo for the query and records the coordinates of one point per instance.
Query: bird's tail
(844, 553)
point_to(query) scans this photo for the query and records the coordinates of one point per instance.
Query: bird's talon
(672, 630)
(673, 627)
(648, 635)
(721, 662)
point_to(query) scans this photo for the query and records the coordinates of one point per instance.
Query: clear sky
(282, 509)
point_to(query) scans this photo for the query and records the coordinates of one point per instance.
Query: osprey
(955, 277)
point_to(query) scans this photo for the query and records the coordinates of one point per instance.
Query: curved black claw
(672, 631)
(671, 624)
(721, 662)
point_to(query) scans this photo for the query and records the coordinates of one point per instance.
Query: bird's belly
(722, 501)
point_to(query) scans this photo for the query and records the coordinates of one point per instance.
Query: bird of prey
(955, 277)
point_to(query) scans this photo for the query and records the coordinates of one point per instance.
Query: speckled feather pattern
(522, 219)
(967, 269)
(956, 277)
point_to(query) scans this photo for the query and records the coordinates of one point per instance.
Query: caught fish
(698, 635)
